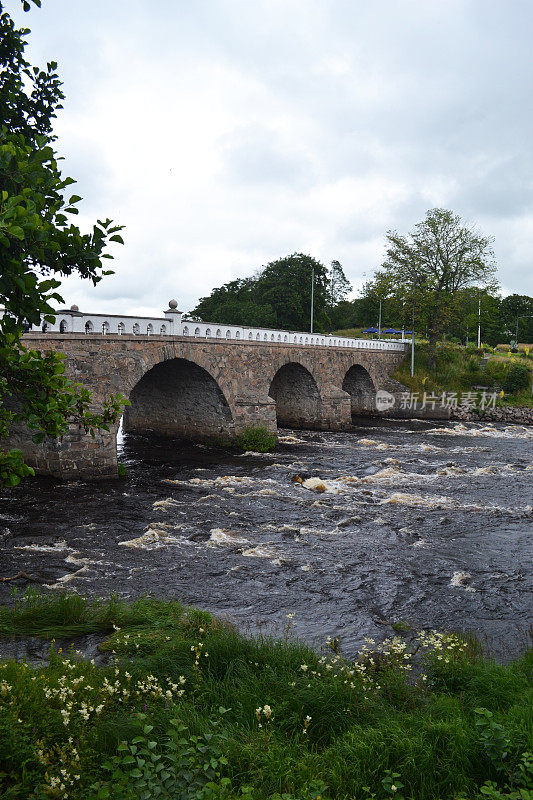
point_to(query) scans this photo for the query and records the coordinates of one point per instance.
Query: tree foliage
(339, 285)
(39, 244)
(432, 265)
(279, 296)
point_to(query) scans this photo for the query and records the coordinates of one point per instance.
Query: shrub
(257, 440)
(517, 378)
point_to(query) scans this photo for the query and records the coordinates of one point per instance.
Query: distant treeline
(279, 296)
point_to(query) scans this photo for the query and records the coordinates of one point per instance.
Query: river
(421, 524)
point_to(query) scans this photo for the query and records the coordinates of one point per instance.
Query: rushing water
(426, 523)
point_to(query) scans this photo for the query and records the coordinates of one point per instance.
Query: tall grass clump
(257, 440)
(185, 706)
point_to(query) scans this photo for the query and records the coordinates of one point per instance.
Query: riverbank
(476, 373)
(202, 711)
(511, 415)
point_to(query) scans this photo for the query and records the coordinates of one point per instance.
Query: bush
(517, 378)
(257, 440)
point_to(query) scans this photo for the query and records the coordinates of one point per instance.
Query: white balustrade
(172, 324)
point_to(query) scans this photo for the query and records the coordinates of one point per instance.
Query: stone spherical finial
(172, 304)
(74, 308)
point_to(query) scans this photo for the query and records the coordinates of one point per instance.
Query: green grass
(459, 369)
(64, 615)
(271, 715)
(257, 440)
(352, 333)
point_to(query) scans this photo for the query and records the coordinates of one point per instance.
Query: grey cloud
(431, 99)
(255, 154)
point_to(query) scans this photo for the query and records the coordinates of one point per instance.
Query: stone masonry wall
(243, 372)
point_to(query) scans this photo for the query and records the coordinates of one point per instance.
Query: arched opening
(136, 329)
(163, 330)
(208, 333)
(237, 334)
(149, 329)
(358, 384)
(250, 335)
(296, 395)
(197, 331)
(89, 327)
(257, 337)
(228, 334)
(121, 328)
(185, 331)
(63, 328)
(105, 328)
(179, 398)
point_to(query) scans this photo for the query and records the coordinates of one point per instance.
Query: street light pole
(478, 323)
(312, 295)
(413, 334)
(379, 323)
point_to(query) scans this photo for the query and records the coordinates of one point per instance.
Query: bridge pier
(76, 455)
(335, 410)
(250, 412)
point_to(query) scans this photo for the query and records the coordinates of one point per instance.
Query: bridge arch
(297, 398)
(360, 386)
(178, 397)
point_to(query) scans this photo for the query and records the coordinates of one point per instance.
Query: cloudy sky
(227, 133)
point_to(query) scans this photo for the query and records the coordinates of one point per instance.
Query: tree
(38, 246)
(517, 312)
(234, 303)
(339, 285)
(279, 296)
(431, 265)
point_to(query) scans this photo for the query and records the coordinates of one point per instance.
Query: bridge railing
(73, 321)
(208, 330)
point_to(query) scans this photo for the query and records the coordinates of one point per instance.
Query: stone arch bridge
(207, 388)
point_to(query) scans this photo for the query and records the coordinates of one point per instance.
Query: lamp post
(413, 333)
(479, 322)
(379, 322)
(312, 295)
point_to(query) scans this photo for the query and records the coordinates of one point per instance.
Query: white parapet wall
(74, 321)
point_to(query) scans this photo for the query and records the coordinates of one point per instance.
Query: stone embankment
(515, 415)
